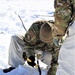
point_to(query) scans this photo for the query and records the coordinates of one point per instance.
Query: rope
(39, 68)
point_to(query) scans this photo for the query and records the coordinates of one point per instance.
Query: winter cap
(46, 32)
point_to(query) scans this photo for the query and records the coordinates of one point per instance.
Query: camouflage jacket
(33, 42)
(64, 14)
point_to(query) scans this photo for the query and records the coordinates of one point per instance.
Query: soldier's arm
(63, 15)
(29, 51)
(30, 38)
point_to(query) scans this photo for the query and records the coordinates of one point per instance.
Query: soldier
(39, 38)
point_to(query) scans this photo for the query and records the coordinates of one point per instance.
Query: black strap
(39, 68)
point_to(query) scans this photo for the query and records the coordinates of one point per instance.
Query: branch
(21, 22)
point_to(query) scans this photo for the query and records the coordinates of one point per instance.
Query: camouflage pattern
(33, 42)
(64, 15)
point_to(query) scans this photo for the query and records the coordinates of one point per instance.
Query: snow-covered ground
(10, 24)
(29, 11)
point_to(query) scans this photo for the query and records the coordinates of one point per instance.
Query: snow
(29, 10)
(10, 24)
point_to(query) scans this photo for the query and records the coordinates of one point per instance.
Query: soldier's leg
(16, 49)
(54, 63)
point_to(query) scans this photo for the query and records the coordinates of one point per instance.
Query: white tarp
(24, 70)
(27, 70)
(67, 54)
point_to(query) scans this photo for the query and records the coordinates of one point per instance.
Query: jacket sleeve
(30, 40)
(63, 14)
(29, 51)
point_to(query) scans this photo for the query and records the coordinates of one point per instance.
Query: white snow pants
(66, 58)
(17, 48)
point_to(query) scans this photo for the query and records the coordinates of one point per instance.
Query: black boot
(8, 69)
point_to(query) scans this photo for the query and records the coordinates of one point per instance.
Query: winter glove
(8, 69)
(31, 61)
